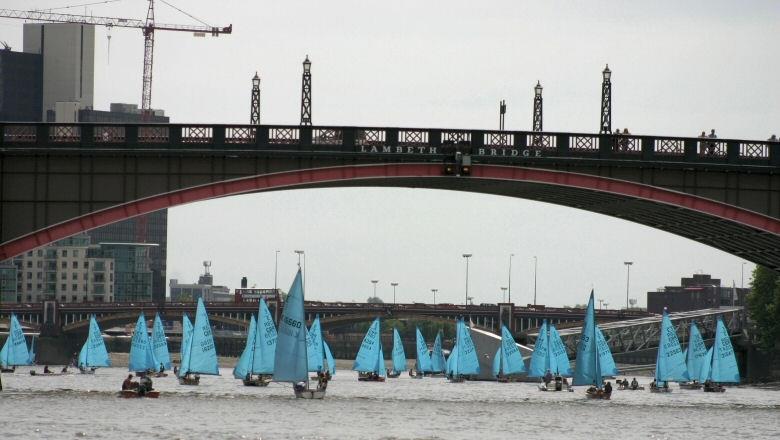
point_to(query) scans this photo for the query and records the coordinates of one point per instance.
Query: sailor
(64, 369)
(558, 383)
(300, 386)
(548, 377)
(175, 369)
(634, 384)
(144, 384)
(608, 388)
(46, 370)
(82, 368)
(162, 367)
(128, 383)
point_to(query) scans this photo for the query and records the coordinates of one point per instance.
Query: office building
(700, 291)
(203, 289)
(8, 283)
(132, 271)
(21, 86)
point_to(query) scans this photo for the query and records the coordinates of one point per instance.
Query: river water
(85, 406)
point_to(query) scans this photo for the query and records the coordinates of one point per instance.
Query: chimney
(243, 283)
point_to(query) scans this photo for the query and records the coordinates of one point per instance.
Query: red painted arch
(334, 175)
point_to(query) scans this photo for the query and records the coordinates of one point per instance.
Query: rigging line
(80, 5)
(186, 13)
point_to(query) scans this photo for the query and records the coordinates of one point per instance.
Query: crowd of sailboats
(290, 351)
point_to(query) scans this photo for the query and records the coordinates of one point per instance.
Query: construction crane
(147, 27)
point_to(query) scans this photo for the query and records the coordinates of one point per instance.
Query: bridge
(638, 338)
(60, 179)
(53, 318)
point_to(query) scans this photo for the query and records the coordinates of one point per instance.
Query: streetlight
(628, 277)
(394, 286)
(503, 294)
(509, 284)
(467, 256)
(434, 295)
(374, 281)
(276, 267)
(535, 261)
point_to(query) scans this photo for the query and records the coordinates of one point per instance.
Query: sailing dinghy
(199, 354)
(14, 352)
(423, 364)
(370, 359)
(594, 359)
(720, 366)
(438, 363)
(507, 361)
(463, 362)
(160, 348)
(670, 360)
(694, 358)
(291, 358)
(255, 367)
(549, 356)
(399, 355)
(93, 354)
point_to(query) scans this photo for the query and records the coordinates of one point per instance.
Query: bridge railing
(490, 145)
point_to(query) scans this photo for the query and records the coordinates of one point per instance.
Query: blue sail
(511, 360)
(14, 351)
(329, 358)
(670, 361)
(243, 367)
(186, 343)
(366, 359)
(540, 358)
(381, 369)
(93, 352)
(399, 356)
(497, 362)
(706, 366)
(452, 359)
(696, 352)
(423, 358)
(468, 363)
(202, 352)
(314, 347)
(290, 360)
(724, 362)
(141, 354)
(160, 344)
(265, 341)
(558, 352)
(437, 356)
(606, 362)
(587, 370)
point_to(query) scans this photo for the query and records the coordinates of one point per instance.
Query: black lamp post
(306, 93)
(254, 113)
(537, 122)
(606, 101)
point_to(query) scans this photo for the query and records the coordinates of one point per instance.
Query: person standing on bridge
(711, 144)
(773, 138)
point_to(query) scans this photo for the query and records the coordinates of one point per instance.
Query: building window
(29, 263)
(40, 252)
(39, 264)
(75, 264)
(29, 275)
(86, 265)
(29, 286)
(75, 276)
(63, 276)
(64, 265)
(64, 252)
(63, 287)
(75, 252)
(29, 253)
(63, 298)
(74, 298)
(75, 288)
(39, 286)
(29, 298)
(39, 275)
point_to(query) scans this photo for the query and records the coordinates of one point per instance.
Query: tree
(374, 300)
(764, 307)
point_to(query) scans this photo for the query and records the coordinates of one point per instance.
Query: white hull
(310, 394)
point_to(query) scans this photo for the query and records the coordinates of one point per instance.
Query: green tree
(374, 300)
(764, 306)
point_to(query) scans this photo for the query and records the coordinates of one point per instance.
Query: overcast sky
(678, 68)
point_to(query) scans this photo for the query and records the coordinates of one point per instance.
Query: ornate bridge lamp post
(434, 295)
(501, 113)
(606, 102)
(394, 286)
(467, 256)
(537, 121)
(254, 113)
(306, 93)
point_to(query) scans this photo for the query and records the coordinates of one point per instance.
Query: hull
(7, 370)
(130, 394)
(714, 389)
(160, 374)
(189, 380)
(660, 390)
(458, 379)
(597, 394)
(690, 385)
(34, 373)
(393, 375)
(371, 379)
(257, 382)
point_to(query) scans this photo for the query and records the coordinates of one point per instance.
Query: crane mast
(147, 27)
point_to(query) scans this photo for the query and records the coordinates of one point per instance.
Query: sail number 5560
(292, 322)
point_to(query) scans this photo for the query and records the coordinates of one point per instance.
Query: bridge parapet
(432, 142)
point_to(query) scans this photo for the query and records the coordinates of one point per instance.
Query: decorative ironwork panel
(542, 141)
(711, 148)
(754, 150)
(584, 143)
(327, 136)
(370, 137)
(675, 147)
(20, 133)
(153, 134)
(499, 139)
(627, 144)
(196, 135)
(455, 137)
(109, 134)
(412, 137)
(283, 136)
(64, 133)
(240, 135)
